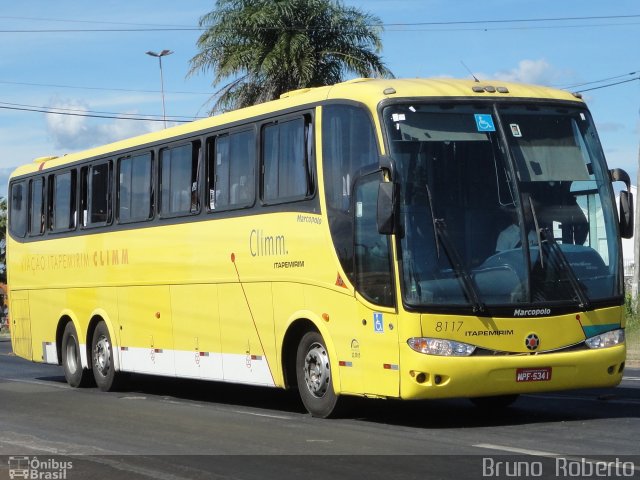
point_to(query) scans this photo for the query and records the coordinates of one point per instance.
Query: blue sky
(109, 72)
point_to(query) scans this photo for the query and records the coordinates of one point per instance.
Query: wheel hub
(72, 356)
(102, 356)
(317, 373)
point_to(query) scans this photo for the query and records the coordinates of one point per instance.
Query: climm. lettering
(261, 245)
(103, 258)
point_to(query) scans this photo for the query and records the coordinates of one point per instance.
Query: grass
(633, 334)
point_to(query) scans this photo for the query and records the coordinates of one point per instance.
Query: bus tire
(75, 375)
(495, 402)
(102, 359)
(313, 375)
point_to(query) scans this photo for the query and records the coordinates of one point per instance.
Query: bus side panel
(46, 307)
(196, 331)
(378, 338)
(342, 324)
(246, 328)
(365, 339)
(146, 331)
(20, 324)
(83, 305)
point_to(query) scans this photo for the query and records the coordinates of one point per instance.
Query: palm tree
(263, 48)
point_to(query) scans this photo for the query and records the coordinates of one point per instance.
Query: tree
(3, 240)
(264, 48)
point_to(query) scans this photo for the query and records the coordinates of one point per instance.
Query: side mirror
(626, 214)
(386, 208)
(626, 202)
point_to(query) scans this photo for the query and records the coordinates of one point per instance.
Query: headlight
(605, 340)
(438, 346)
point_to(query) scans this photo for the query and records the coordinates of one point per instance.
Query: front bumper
(427, 376)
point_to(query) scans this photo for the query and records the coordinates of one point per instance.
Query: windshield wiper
(468, 284)
(585, 304)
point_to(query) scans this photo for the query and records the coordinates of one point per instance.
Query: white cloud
(611, 127)
(538, 72)
(75, 132)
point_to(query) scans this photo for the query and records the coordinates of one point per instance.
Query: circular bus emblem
(532, 341)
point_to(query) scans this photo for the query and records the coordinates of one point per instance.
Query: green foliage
(631, 313)
(3, 236)
(3, 217)
(264, 48)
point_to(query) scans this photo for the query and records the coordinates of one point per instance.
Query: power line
(82, 110)
(95, 22)
(113, 89)
(121, 116)
(517, 28)
(102, 30)
(608, 85)
(402, 25)
(516, 20)
(568, 87)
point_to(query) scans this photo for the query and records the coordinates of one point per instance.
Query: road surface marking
(614, 400)
(37, 382)
(267, 415)
(522, 451)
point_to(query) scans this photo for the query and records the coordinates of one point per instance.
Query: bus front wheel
(313, 374)
(75, 375)
(102, 359)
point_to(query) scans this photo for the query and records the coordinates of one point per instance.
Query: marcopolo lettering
(534, 312)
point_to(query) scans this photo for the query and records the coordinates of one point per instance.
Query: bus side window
(95, 199)
(62, 215)
(18, 210)
(179, 180)
(372, 253)
(36, 206)
(348, 145)
(135, 196)
(286, 175)
(231, 170)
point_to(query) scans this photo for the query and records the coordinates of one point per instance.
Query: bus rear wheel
(313, 374)
(75, 375)
(102, 359)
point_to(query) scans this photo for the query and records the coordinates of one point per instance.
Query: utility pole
(159, 56)
(636, 245)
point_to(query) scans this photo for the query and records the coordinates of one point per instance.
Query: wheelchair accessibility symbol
(484, 122)
(378, 323)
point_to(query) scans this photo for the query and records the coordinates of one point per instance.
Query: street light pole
(163, 53)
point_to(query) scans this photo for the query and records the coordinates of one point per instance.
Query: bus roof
(364, 90)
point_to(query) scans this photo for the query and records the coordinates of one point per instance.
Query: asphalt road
(174, 429)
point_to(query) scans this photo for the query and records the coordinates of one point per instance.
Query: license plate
(533, 374)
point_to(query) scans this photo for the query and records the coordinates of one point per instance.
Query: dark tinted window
(285, 161)
(96, 194)
(231, 170)
(62, 201)
(372, 255)
(179, 179)
(348, 145)
(134, 188)
(36, 206)
(18, 209)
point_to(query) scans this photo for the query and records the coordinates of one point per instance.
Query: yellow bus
(408, 239)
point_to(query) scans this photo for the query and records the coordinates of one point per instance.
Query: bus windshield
(502, 205)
